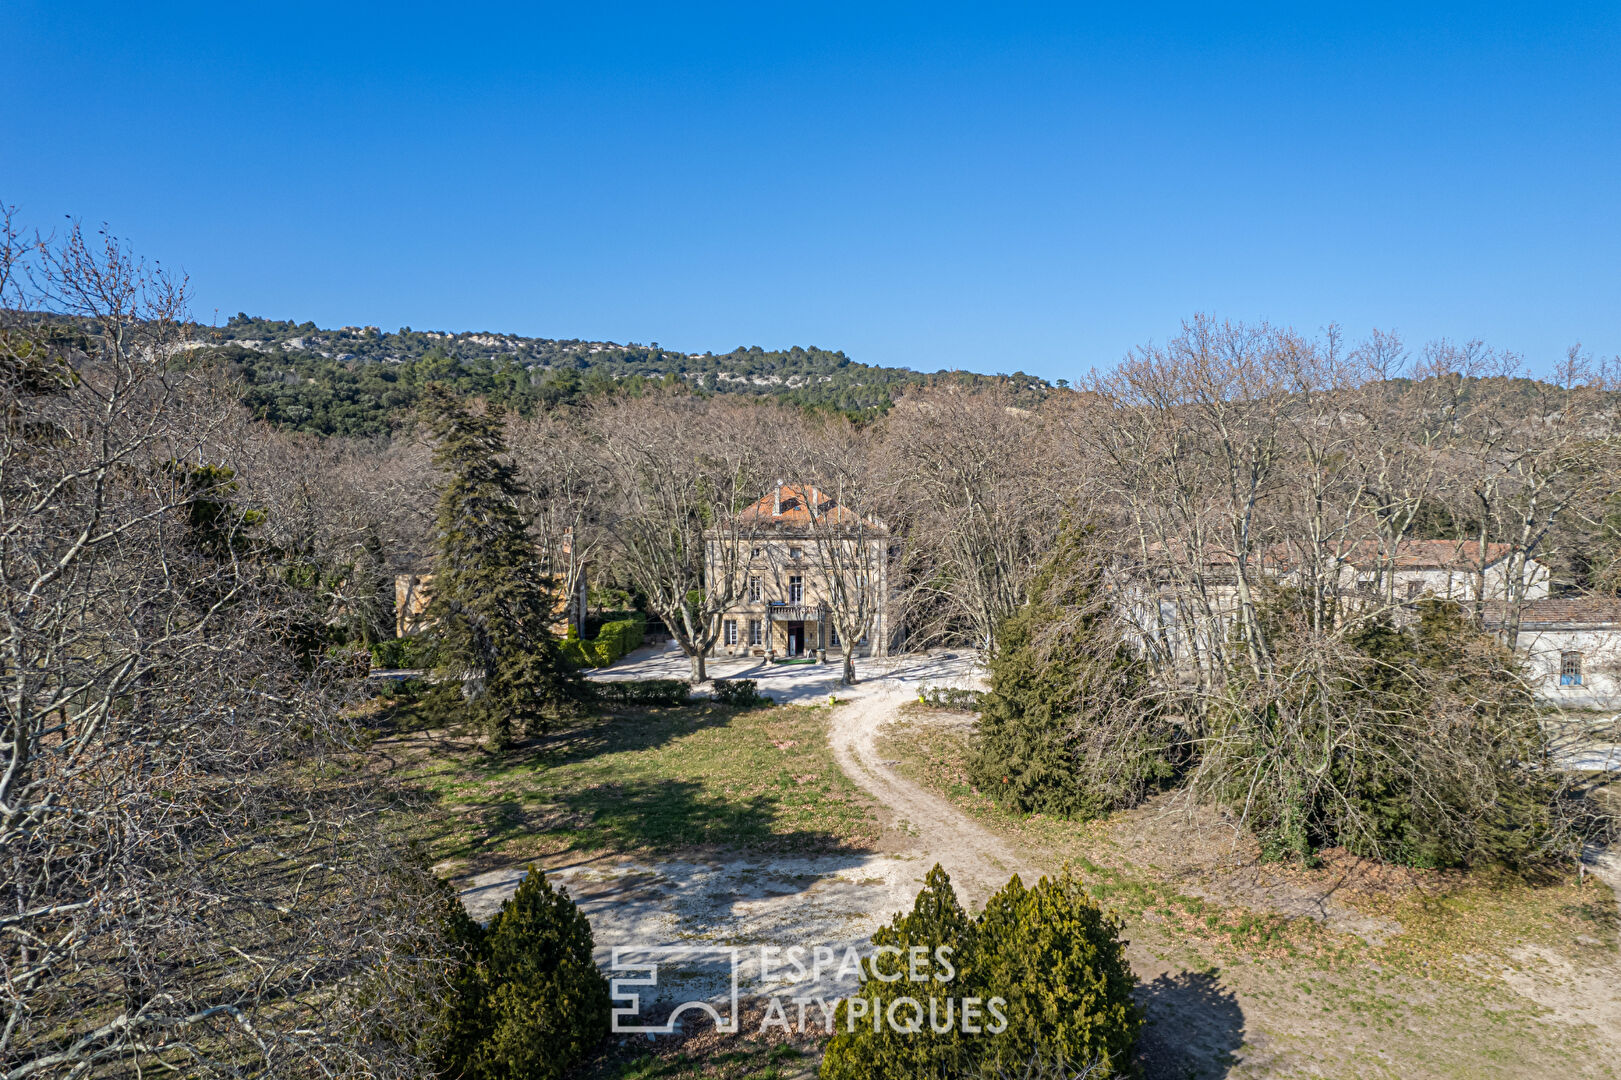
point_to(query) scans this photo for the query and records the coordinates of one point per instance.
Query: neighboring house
(1443, 569)
(792, 576)
(1446, 570)
(412, 593)
(410, 603)
(1572, 645)
(1181, 621)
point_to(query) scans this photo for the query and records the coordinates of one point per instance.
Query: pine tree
(491, 604)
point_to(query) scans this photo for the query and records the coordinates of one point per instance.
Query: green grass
(647, 781)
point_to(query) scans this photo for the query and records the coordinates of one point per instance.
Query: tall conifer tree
(490, 602)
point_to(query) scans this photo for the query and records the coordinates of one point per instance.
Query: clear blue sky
(989, 187)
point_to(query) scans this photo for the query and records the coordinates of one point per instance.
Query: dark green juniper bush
(526, 1001)
(1036, 985)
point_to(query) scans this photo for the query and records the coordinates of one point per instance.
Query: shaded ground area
(631, 782)
(1195, 1026)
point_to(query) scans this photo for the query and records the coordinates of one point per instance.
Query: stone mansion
(797, 555)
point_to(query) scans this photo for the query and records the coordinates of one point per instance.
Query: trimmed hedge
(642, 691)
(739, 693)
(614, 639)
(949, 697)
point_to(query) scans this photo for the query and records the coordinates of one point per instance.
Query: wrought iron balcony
(796, 612)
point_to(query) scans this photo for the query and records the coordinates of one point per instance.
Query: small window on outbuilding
(1415, 589)
(1570, 669)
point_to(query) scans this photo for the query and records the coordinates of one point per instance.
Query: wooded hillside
(361, 380)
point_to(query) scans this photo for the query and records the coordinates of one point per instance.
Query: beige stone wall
(412, 593)
(775, 562)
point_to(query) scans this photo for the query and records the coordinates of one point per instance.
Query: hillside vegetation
(362, 380)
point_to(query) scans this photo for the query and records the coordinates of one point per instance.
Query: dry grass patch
(1347, 969)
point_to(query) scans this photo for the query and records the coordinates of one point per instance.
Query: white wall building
(1572, 645)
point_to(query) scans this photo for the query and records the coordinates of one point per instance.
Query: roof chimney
(776, 501)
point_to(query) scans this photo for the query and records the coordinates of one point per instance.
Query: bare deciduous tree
(678, 470)
(976, 485)
(563, 495)
(831, 469)
(194, 880)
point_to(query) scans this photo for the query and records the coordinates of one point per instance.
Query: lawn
(645, 781)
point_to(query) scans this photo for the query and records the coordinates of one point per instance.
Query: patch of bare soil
(1574, 994)
(1204, 853)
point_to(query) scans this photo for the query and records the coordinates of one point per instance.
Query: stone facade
(785, 580)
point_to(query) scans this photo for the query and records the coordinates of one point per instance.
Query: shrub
(1069, 726)
(613, 640)
(1417, 744)
(642, 691)
(527, 1002)
(955, 698)
(739, 693)
(597, 620)
(1059, 961)
(1053, 959)
(936, 921)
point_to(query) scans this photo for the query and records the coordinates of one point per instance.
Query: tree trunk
(849, 677)
(698, 674)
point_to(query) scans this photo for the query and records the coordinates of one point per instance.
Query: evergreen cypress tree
(1069, 727)
(525, 1001)
(490, 604)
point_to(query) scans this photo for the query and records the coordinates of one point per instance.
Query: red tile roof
(1593, 612)
(1409, 555)
(790, 504)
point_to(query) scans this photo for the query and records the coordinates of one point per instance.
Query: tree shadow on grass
(727, 850)
(1195, 1027)
(404, 725)
(651, 816)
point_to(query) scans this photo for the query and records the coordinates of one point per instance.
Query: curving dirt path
(979, 861)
